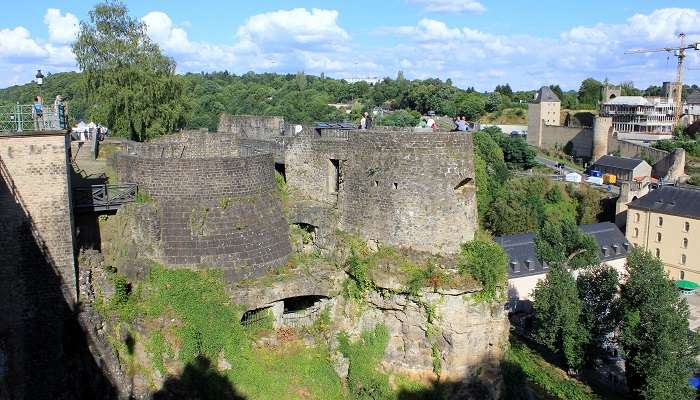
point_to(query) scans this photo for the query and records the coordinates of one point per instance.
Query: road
(553, 164)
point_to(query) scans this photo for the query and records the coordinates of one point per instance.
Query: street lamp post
(39, 81)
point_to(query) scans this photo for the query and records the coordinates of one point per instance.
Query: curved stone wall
(218, 211)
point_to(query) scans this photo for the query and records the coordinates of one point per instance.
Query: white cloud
(18, 43)
(297, 29)
(160, 28)
(63, 29)
(451, 6)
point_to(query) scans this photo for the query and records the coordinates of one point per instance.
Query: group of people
(58, 118)
(461, 124)
(428, 121)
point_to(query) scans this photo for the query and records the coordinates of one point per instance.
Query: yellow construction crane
(679, 52)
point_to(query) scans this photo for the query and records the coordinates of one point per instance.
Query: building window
(636, 217)
(658, 253)
(686, 227)
(636, 232)
(685, 243)
(683, 259)
(658, 236)
(661, 221)
(682, 275)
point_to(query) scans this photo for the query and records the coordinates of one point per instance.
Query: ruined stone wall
(558, 136)
(213, 211)
(251, 126)
(400, 188)
(37, 271)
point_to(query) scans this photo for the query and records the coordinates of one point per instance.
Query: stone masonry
(216, 202)
(400, 188)
(37, 269)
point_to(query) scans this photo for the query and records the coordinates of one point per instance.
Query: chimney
(604, 250)
(626, 245)
(616, 248)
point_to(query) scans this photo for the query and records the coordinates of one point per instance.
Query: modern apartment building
(666, 222)
(640, 115)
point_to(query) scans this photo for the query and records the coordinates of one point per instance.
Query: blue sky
(477, 43)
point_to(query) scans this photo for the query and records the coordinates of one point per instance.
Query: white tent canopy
(573, 177)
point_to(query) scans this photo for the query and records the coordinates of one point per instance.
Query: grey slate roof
(672, 200)
(694, 98)
(522, 253)
(545, 94)
(618, 162)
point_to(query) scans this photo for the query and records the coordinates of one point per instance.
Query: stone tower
(669, 89)
(609, 92)
(544, 109)
(601, 132)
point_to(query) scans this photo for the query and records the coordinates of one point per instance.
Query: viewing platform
(21, 118)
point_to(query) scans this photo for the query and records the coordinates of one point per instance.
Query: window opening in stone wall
(302, 311)
(308, 235)
(396, 185)
(686, 227)
(334, 176)
(685, 243)
(636, 232)
(661, 221)
(281, 169)
(636, 217)
(376, 183)
(658, 236)
(683, 260)
(658, 253)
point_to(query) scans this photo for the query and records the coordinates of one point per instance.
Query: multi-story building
(637, 115)
(666, 222)
(544, 109)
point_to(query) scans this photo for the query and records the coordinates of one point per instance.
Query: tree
(589, 92)
(627, 89)
(491, 170)
(558, 312)
(504, 90)
(597, 290)
(562, 242)
(658, 347)
(471, 105)
(557, 90)
(517, 154)
(402, 118)
(131, 84)
(495, 102)
(486, 262)
(652, 91)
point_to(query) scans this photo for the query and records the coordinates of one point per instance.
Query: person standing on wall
(38, 114)
(368, 118)
(363, 121)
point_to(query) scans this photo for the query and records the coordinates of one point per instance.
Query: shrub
(364, 381)
(486, 261)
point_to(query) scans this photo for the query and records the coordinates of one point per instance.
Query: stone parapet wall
(400, 188)
(251, 126)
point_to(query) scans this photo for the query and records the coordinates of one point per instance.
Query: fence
(257, 319)
(21, 118)
(302, 318)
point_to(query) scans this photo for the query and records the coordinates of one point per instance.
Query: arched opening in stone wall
(302, 311)
(464, 188)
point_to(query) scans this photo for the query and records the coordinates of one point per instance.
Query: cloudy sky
(478, 43)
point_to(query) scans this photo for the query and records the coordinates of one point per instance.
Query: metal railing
(302, 318)
(22, 118)
(257, 319)
(104, 197)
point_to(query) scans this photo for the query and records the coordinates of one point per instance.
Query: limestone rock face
(446, 328)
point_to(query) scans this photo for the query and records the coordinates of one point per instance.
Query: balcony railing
(22, 118)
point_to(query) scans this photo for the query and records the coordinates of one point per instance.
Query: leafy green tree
(471, 105)
(131, 84)
(491, 170)
(558, 311)
(495, 102)
(504, 90)
(563, 242)
(628, 89)
(658, 347)
(557, 90)
(517, 154)
(589, 92)
(402, 118)
(652, 91)
(598, 290)
(486, 262)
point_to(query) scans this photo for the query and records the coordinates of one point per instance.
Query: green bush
(364, 381)
(486, 261)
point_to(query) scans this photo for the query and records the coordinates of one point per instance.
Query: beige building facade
(666, 222)
(544, 109)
